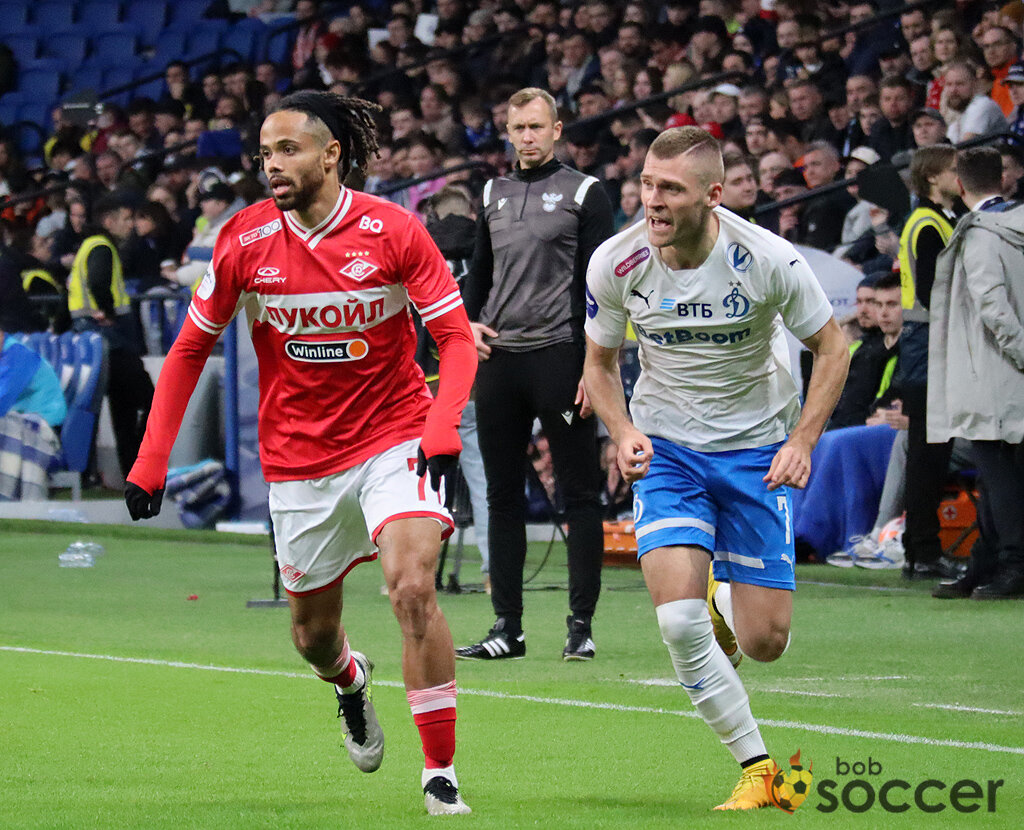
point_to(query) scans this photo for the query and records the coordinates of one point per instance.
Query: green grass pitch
(123, 704)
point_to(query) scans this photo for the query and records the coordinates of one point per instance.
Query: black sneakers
(497, 645)
(579, 645)
(441, 798)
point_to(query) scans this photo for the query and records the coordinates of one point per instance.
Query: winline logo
(858, 786)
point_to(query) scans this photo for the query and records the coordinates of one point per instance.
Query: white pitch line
(821, 729)
(953, 707)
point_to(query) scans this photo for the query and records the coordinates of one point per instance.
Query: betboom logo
(256, 234)
(337, 351)
(630, 262)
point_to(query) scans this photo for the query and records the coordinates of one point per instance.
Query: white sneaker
(364, 739)
(441, 797)
(859, 547)
(890, 555)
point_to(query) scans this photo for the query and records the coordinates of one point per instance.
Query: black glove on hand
(142, 505)
(439, 466)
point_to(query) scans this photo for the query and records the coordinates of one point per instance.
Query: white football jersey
(714, 373)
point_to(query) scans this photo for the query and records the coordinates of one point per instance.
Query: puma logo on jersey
(646, 299)
(501, 202)
(551, 201)
(262, 232)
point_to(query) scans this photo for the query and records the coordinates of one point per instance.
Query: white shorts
(326, 526)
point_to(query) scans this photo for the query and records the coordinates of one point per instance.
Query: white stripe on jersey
(661, 524)
(306, 234)
(203, 322)
(442, 306)
(581, 191)
(487, 192)
(334, 222)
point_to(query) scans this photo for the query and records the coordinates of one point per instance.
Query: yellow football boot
(754, 789)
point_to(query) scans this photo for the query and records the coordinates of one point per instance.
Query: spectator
(755, 136)
(969, 112)
(789, 184)
(311, 27)
(806, 105)
(857, 221)
(436, 110)
(707, 43)
(1013, 172)
(948, 45)
(925, 232)
(769, 167)
(1001, 49)
(892, 133)
(629, 210)
(152, 244)
(821, 220)
(873, 356)
(739, 187)
(1014, 84)
(424, 159)
(929, 127)
(922, 71)
(752, 103)
(98, 301)
(976, 370)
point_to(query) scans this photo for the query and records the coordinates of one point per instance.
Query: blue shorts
(717, 501)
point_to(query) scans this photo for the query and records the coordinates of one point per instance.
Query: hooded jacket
(976, 338)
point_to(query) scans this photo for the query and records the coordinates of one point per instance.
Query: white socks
(709, 678)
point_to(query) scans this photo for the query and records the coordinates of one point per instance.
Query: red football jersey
(328, 309)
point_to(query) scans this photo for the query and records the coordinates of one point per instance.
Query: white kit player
(714, 434)
(348, 432)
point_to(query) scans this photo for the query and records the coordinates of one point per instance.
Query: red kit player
(349, 434)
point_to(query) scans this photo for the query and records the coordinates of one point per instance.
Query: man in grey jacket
(976, 369)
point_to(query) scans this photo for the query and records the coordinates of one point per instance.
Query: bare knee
(316, 640)
(764, 646)
(414, 602)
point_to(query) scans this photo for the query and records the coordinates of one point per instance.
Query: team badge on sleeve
(209, 282)
(592, 308)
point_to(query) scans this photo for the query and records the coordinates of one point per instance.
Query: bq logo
(895, 795)
(790, 789)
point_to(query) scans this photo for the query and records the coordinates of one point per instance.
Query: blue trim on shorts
(718, 501)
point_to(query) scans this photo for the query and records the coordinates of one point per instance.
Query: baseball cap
(217, 190)
(731, 90)
(714, 128)
(1015, 75)
(929, 112)
(680, 119)
(864, 154)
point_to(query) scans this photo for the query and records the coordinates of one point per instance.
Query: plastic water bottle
(80, 555)
(67, 514)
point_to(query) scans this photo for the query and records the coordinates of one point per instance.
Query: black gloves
(439, 467)
(142, 505)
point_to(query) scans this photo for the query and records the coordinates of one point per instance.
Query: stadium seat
(247, 38)
(150, 89)
(149, 16)
(36, 112)
(65, 366)
(114, 45)
(278, 45)
(170, 45)
(13, 15)
(41, 84)
(188, 12)
(54, 14)
(51, 349)
(118, 76)
(87, 77)
(70, 47)
(205, 37)
(100, 15)
(89, 384)
(24, 45)
(8, 112)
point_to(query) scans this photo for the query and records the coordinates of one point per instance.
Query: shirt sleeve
(100, 267)
(480, 278)
(801, 300)
(606, 315)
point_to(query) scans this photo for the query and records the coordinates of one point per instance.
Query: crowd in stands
(801, 94)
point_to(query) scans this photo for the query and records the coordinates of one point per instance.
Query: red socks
(433, 711)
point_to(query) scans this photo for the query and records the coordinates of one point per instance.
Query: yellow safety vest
(32, 274)
(919, 219)
(81, 303)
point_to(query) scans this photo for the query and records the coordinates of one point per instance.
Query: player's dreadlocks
(349, 120)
